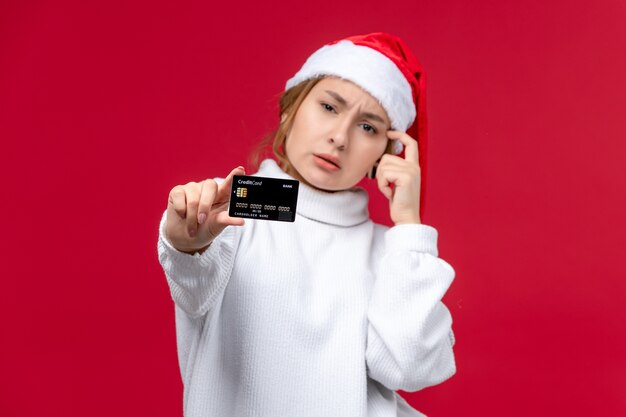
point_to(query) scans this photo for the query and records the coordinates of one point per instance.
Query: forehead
(352, 93)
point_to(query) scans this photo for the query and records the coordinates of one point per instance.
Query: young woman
(331, 314)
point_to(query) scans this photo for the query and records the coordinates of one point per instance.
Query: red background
(105, 107)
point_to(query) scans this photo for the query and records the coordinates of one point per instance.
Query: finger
(221, 221)
(192, 193)
(224, 219)
(176, 200)
(208, 190)
(223, 190)
(411, 151)
(389, 159)
(396, 162)
(393, 172)
(399, 171)
(384, 182)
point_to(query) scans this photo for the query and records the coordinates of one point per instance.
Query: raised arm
(410, 337)
(196, 247)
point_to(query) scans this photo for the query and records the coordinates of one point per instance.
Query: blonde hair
(289, 103)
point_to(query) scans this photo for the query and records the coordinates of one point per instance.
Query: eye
(369, 128)
(328, 107)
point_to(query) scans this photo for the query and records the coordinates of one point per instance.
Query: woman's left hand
(404, 174)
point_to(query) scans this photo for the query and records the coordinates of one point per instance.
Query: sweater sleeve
(409, 337)
(197, 281)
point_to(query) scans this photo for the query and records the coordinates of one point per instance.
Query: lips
(330, 158)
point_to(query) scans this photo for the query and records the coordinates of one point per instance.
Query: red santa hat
(383, 65)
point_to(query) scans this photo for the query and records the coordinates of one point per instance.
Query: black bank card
(263, 198)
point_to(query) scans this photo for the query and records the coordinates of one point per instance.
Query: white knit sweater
(323, 317)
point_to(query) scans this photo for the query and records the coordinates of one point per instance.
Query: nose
(340, 136)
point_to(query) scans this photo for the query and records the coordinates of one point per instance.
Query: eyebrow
(343, 102)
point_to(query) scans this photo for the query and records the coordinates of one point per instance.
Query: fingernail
(192, 232)
(201, 218)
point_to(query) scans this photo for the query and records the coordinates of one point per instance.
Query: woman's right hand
(197, 212)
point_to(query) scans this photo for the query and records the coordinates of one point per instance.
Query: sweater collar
(340, 208)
